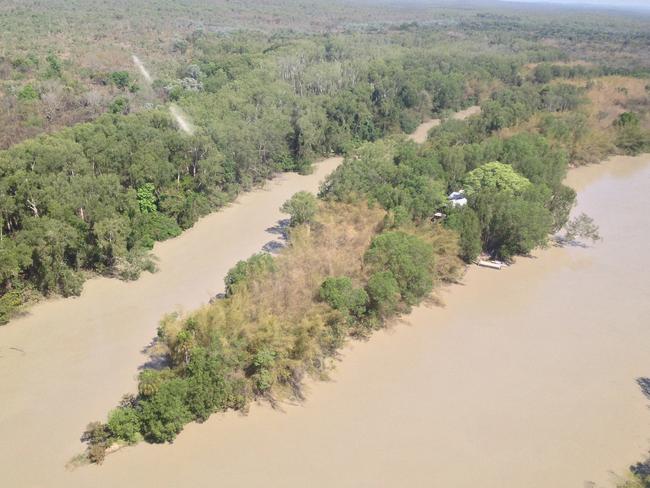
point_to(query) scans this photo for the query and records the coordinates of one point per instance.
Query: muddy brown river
(526, 377)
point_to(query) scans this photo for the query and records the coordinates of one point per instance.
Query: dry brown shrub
(280, 311)
(594, 147)
(448, 266)
(610, 96)
(334, 246)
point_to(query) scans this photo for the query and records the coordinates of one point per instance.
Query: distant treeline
(68, 61)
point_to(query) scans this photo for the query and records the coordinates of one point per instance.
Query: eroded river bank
(525, 378)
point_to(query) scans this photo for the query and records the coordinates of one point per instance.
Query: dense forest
(96, 167)
(68, 61)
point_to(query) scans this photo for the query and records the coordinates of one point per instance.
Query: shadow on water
(157, 358)
(280, 228)
(559, 241)
(273, 247)
(644, 384)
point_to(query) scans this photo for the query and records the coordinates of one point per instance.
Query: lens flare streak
(178, 115)
(181, 120)
(143, 71)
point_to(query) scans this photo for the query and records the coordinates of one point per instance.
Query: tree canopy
(495, 177)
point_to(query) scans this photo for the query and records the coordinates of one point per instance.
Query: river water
(70, 360)
(526, 377)
(419, 135)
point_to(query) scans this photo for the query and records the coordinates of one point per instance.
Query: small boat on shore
(491, 264)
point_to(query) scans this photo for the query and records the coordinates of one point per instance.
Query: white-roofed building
(457, 198)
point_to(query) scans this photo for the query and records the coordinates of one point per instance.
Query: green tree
(543, 73)
(124, 424)
(148, 228)
(111, 235)
(54, 259)
(10, 302)
(561, 97)
(14, 258)
(120, 79)
(54, 64)
(164, 414)
(28, 93)
(630, 136)
(208, 390)
(408, 258)
(263, 363)
(120, 106)
(302, 208)
(560, 205)
(340, 294)
(147, 198)
(253, 267)
(465, 221)
(511, 225)
(532, 156)
(383, 292)
(627, 118)
(150, 380)
(497, 177)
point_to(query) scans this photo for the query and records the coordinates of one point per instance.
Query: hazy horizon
(601, 3)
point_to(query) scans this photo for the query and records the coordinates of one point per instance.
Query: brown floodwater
(70, 360)
(526, 377)
(420, 134)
